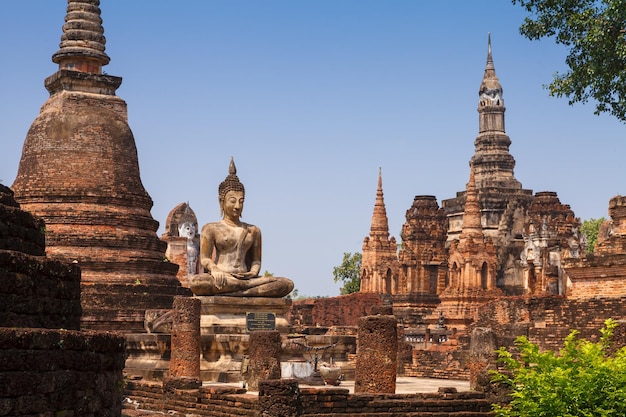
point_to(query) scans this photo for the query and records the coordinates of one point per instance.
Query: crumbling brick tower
(79, 172)
(472, 265)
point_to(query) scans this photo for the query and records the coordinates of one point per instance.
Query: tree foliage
(582, 380)
(590, 229)
(594, 32)
(349, 272)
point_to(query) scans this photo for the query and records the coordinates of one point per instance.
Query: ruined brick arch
(433, 277)
(404, 278)
(484, 276)
(454, 275)
(365, 284)
(388, 282)
(532, 279)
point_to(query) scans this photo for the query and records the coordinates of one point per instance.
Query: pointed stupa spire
(489, 57)
(492, 162)
(83, 42)
(379, 265)
(472, 225)
(490, 88)
(380, 223)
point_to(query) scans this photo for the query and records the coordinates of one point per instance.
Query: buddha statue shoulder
(230, 251)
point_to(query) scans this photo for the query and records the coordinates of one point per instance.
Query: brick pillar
(482, 358)
(376, 355)
(264, 353)
(279, 397)
(185, 357)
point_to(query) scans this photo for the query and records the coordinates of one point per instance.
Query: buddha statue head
(231, 183)
(187, 224)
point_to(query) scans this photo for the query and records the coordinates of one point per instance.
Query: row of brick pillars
(376, 361)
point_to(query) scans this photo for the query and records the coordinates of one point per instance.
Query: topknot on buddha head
(231, 183)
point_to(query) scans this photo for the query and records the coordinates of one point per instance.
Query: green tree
(584, 379)
(349, 272)
(594, 32)
(590, 229)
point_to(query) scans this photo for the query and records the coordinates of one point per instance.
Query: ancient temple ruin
(79, 172)
(494, 238)
(495, 257)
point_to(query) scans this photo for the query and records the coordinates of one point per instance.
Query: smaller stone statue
(187, 228)
(230, 251)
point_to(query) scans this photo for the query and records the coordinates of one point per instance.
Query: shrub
(583, 379)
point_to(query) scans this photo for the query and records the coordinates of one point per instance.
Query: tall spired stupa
(492, 162)
(379, 264)
(501, 199)
(79, 171)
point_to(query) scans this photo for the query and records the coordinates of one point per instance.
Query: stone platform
(224, 337)
(227, 315)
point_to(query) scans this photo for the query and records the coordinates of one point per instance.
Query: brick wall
(344, 310)
(38, 292)
(222, 401)
(597, 275)
(548, 320)
(438, 364)
(60, 373)
(19, 231)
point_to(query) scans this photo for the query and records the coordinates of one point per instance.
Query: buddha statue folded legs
(265, 286)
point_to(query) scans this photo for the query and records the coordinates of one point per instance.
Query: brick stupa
(79, 171)
(379, 250)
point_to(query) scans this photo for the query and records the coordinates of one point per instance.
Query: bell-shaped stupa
(79, 171)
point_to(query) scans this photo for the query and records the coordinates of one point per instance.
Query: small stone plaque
(260, 321)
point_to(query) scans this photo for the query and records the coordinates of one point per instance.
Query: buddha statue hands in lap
(230, 251)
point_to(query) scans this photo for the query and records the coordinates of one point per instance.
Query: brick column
(264, 353)
(482, 358)
(376, 355)
(279, 397)
(185, 357)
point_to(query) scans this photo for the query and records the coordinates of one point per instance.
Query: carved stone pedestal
(225, 333)
(227, 315)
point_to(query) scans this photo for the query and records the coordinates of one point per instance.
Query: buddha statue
(230, 251)
(187, 229)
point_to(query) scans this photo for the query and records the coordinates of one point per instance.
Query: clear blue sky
(311, 98)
